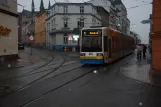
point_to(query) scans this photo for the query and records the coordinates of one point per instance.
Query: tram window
(105, 43)
(92, 44)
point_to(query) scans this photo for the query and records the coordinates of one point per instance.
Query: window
(52, 23)
(91, 44)
(81, 22)
(105, 43)
(65, 9)
(54, 10)
(65, 22)
(3, 1)
(82, 9)
(65, 39)
(49, 26)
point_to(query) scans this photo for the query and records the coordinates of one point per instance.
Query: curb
(136, 80)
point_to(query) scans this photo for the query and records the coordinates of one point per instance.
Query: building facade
(62, 20)
(19, 26)
(108, 12)
(8, 29)
(127, 26)
(124, 22)
(40, 28)
(28, 23)
(156, 36)
(105, 16)
(27, 26)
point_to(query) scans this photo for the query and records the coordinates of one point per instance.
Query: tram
(104, 45)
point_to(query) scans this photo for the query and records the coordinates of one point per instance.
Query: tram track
(38, 68)
(62, 85)
(33, 69)
(27, 85)
(28, 74)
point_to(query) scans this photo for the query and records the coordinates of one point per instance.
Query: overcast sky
(136, 15)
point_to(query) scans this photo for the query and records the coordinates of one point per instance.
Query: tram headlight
(99, 54)
(82, 54)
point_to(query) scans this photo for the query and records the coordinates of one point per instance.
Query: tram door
(110, 47)
(105, 49)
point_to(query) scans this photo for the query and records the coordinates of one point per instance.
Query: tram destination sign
(92, 32)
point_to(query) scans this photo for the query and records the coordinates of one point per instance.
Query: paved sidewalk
(25, 60)
(140, 71)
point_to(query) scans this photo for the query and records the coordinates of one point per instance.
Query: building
(124, 22)
(19, 26)
(62, 20)
(127, 26)
(40, 26)
(8, 29)
(105, 16)
(28, 23)
(117, 14)
(156, 36)
(108, 13)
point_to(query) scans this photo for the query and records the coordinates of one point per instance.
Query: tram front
(91, 49)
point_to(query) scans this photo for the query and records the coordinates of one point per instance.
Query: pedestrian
(144, 51)
(139, 52)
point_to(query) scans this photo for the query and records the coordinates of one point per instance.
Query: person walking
(144, 51)
(139, 52)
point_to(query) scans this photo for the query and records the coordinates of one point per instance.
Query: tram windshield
(92, 40)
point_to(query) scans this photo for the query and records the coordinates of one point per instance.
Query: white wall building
(63, 18)
(8, 29)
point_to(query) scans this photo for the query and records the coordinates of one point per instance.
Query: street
(59, 80)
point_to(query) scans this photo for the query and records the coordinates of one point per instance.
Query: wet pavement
(25, 59)
(64, 82)
(140, 71)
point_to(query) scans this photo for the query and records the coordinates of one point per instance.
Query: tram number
(90, 53)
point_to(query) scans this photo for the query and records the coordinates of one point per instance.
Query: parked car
(21, 46)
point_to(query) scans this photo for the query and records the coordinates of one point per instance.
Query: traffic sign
(70, 38)
(31, 38)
